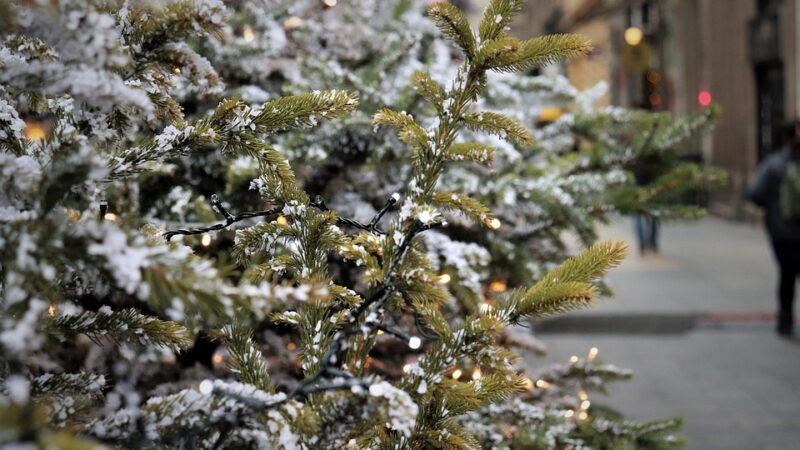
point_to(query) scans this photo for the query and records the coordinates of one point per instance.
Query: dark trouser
(788, 255)
(646, 231)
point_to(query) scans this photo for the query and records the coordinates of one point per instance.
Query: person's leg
(787, 276)
(654, 234)
(638, 223)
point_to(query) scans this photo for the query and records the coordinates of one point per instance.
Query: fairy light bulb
(583, 395)
(407, 368)
(34, 131)
(205, 241)
(583, 415)
(585, 404)
(498, 286)
(292, 22)
(494, 223)
(414, 342)
(111, 217)
(51, 310)
(592, 353)
(457, 374)
(247, 34)
(476, 374)
(569, 413)
(443, 278)
(542, 384)
(281, 220)
(528, 383)
(573, 359)
(330, 3)
(291, 346)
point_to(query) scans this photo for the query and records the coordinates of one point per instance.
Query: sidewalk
(694, 323)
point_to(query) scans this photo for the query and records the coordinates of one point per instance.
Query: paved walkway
(694, 323)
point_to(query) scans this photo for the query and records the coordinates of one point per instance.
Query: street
(694, 323)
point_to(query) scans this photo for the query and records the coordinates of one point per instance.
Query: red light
(704, 98)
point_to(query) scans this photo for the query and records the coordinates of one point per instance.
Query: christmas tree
(309, 306)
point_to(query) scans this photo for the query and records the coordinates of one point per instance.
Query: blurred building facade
(741, 54)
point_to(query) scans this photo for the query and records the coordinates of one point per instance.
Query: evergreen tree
(114, 126)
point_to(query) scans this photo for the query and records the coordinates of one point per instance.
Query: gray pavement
(694, 323)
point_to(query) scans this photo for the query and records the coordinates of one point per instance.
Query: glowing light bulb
(291, 346)
(634, 36)
(542, 384)
(494, 224)
(583, 415)
(111, 216)
(476, 374)
(205, 241)
(586, 404)
(216, 359)
(528, 383)
(247, 34)
(34, 131)
(206, 387)
(281, 220)
(498, 286)
(51, 310)
(443, 278)
(457, 374)
(573, 359)
(414, 342)
(582, 395)
(292, 22)
(330, 3)
(177, 70)
(380, 332)
(407, 368)
(592, 353)
(569, 414)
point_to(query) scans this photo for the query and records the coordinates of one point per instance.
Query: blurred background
(695, 321)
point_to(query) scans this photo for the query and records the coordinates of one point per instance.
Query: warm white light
(569, 414)
(206, 387)
(247, 34)
(593, 353)
(111, 216)
(281, 220)
(573, 359)
(498, 286)
(292, 22)
(586, 404)
(457, 374)
(583, 415)
(51, 311)
(443, 278)
(528, 383)
(330, 3)
(34, 131)
(476, 374)
(407, 368)
(542, 384)
(582, 395)
(634, 36)
(414, 342)
(494, 224)
(205, 241)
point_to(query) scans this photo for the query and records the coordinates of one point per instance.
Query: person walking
(776, 188)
